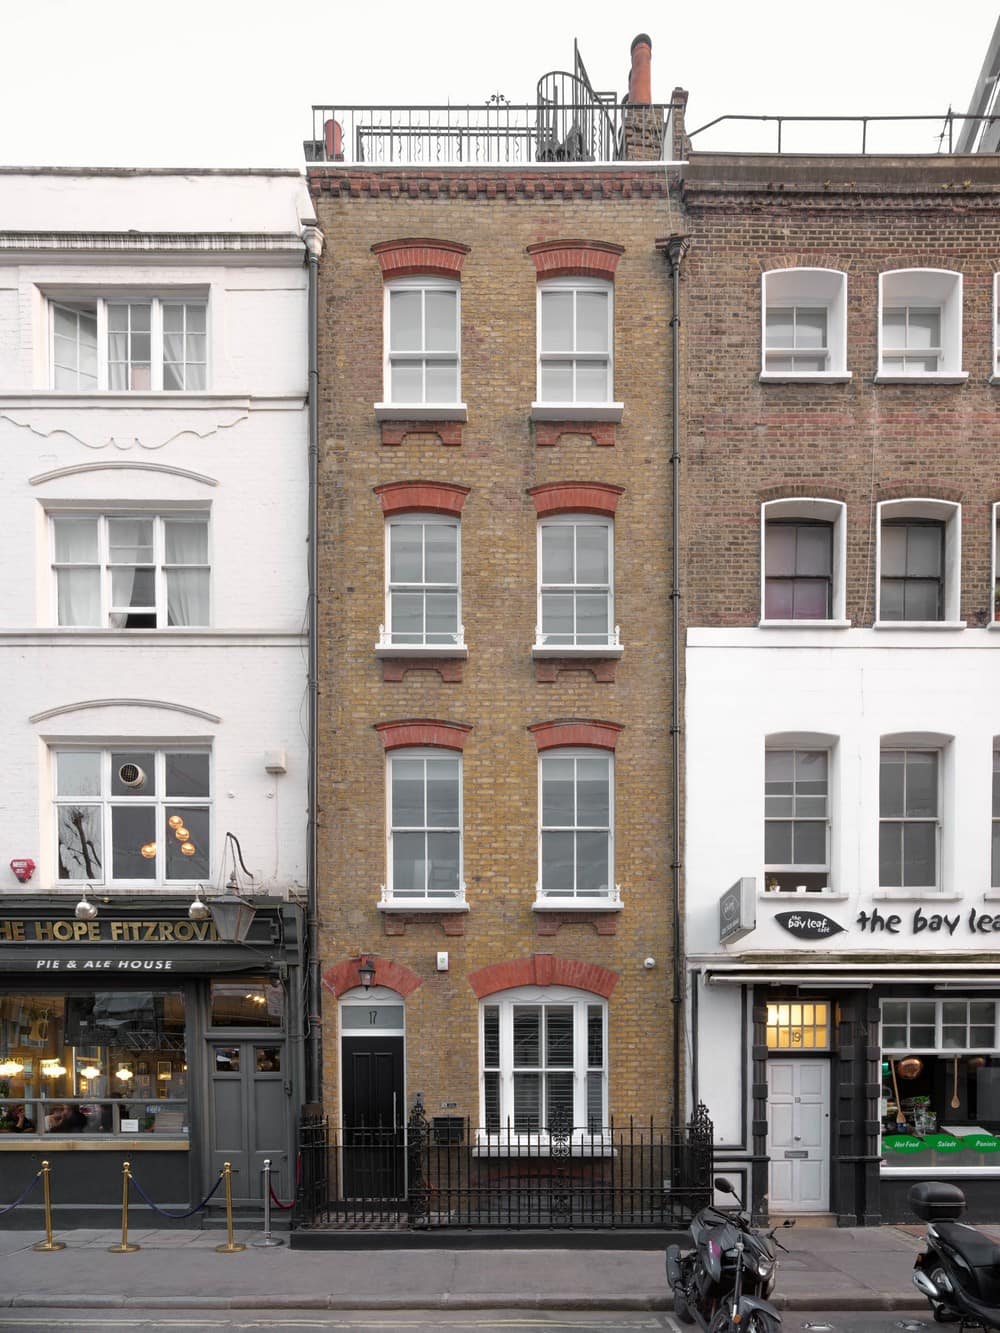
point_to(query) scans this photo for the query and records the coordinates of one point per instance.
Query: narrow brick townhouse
(496, 894)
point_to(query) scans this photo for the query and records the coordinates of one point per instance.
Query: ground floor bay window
(940, 1101)
(544, 1069)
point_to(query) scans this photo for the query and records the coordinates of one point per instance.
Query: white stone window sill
(421, 412)
(994, 625)
(804, 896)
(577, 411)
(915, 896)
(928, 377)
(577, 650)
(994, 378)
(919, 624)
(540, 1145)
(421, 650)
(992, 896)
(569, 904)
(423, 905)
(804, 624)
(805, 376)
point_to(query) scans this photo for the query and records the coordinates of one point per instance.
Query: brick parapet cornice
(784, 197)
(612, 183)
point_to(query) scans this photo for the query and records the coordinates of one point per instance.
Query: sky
(230, 83)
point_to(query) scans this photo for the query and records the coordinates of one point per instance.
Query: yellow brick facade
(499, 695)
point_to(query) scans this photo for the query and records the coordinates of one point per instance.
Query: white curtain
(79, 589)
(187, 588)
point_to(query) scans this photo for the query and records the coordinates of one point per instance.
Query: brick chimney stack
(639, 79)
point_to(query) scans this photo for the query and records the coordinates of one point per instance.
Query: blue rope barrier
(31, 1185)
(175, 1217)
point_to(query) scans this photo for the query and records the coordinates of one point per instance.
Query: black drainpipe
(675, 247)
(313, 238)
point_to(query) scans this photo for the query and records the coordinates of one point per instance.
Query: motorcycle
(959, 1272)
(723, 1284)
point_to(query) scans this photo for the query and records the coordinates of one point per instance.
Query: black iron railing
(444, 1172)
(562, 126)
(847, 135)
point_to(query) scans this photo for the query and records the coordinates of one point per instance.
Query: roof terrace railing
(549, 131)
(849, 135)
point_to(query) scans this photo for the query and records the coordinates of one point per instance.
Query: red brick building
(839, 505)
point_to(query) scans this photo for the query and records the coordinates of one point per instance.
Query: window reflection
(251, 1003)
(102, 1062)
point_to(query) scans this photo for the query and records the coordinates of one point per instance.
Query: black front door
(374, 1117)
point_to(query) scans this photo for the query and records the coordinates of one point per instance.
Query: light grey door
(249, 1115)
(798, 1139)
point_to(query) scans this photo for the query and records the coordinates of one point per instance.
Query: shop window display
(940, 1104)
(110, 1063)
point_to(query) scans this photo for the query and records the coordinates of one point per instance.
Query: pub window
(254, 1003)
(94, 1063)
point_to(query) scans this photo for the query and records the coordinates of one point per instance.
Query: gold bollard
(48, 1243)
(124, 1247)
(230, 1246)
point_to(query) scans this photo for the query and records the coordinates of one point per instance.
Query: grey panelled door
(249, 1115)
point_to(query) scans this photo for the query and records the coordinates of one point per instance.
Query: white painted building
(153, 653)
(847, 776)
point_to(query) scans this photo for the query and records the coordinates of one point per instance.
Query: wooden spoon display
(900, 1118)
(955, 1102)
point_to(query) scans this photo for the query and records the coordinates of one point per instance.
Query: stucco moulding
(124, 428)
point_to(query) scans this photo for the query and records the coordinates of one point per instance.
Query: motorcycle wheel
(722, 1323)
(757, 1321)
(681, 1308)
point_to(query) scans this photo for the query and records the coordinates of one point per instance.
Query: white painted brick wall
(250, 667)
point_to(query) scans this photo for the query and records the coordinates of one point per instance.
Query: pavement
(826, 1269)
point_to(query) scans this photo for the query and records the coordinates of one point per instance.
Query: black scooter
(723, 1284)
(959, 1272)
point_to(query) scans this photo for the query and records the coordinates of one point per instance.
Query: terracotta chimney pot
(640, 80)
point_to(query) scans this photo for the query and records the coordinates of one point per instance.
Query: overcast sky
(231, 82)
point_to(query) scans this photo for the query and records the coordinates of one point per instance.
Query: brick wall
(859, 442)
(497, 216)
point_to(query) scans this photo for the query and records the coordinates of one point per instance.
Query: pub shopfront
(142, 1035)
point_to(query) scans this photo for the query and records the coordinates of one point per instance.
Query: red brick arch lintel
(343, 976)
(543, 969)
(420, 254)
(576, 259)
(426, 497)
(422, 731)
(576, 731)
(575, 497)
